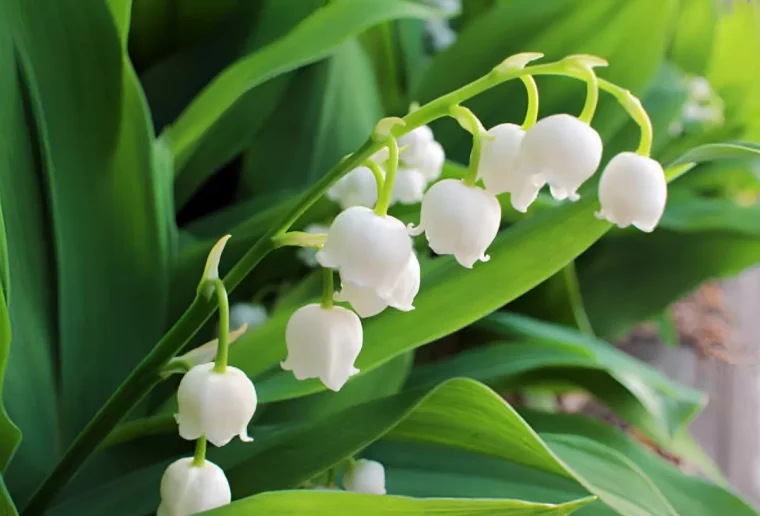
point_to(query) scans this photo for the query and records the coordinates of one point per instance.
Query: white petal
(368, 250)
(416, 143)
(323, 343)
(364, 300)
(407, 286)
(561, 150)
(188, 489)
(633, 190)
(366, 476)
(217, 405)
(409, 186)
(432, 165)
(460, 220)
(357, 188)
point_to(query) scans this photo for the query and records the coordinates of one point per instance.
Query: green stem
(592, 95)
(384, 196)
(636, 111)
(378, 173)
(143, 377)
(576, 299)
(299, 239)
(470, 123)
(153, 425)
(531, 114)
(222, 350)
(328, 290)
(200, 452)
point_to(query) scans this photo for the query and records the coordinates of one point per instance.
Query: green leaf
(28, 280)
(97, 141)
(556, 236)
(692, 213)
(122, 13)
(6, 502)
(617, 480)
(607, 28)
(655, 270)
(322, 503)
(10, 436)
(718, 151)
(312, 40)
(693, 40)
(689, 495)
(330, 109)
(544, 352)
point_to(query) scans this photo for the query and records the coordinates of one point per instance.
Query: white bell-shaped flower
(368, 250)
(357, 188)
(217, 405)
(633, 190)
(460, 220)
(432, 163)
(367, 302)
(323, 343)
(188, 489)
(409, 186)
(416, 145)
(498, 166)
(366, 476)
(308, 255)
(248, 314)
(562, 151)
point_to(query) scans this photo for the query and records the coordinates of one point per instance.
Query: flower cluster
(215, 404)
(372, 251)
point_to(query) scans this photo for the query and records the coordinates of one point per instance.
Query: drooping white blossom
(308, 255)
(323, 343)
(562, 151)
(433, 160)
(357, 188)
(460, 220)
(498, 166)
(367, 249)
(633, 190)
(218, 405)
(366, 476)
(367, 302)
(415, 144)
(188, 489)
(409, 186)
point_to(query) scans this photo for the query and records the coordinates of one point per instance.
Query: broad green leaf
(97, 142)
(7, 508)
(617, 480)
(655, 270)
(329, 110)
(286, 456)
(692, 213)
(521, 257)
(122, 13)
(718, 151)
(28, 388)
(607, 28)
(312, 40)
(544, 352)
(323, 503)
(693, 39)
(9, 433)
(689, 495)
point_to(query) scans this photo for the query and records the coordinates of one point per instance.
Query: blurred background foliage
(121, 164)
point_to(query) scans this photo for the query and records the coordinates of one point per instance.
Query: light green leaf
(545, 352)
(692, 213)
(107, 202)
(693, 39)
(323, 503)
(6, 502)
(718, 151)
(312, 40)
(689, 495)
(10, 436)
(122, 14)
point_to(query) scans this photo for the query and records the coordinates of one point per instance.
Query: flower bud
(217, 405)
(460, 220)
(357, 188)
(409, 186)
(366, 476)
(432, 164)
(368, 250)
(416, 142)
(562, 151)
(188, 489)
(633, 190)
(367, 302)
(323, 343)
(498, 166)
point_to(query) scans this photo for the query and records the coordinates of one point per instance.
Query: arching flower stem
(471, 124)
(384, 195)
(531, 114)
(200, 452)
(636, 111)
(220, 362)
(377, 172)
(328, 289)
